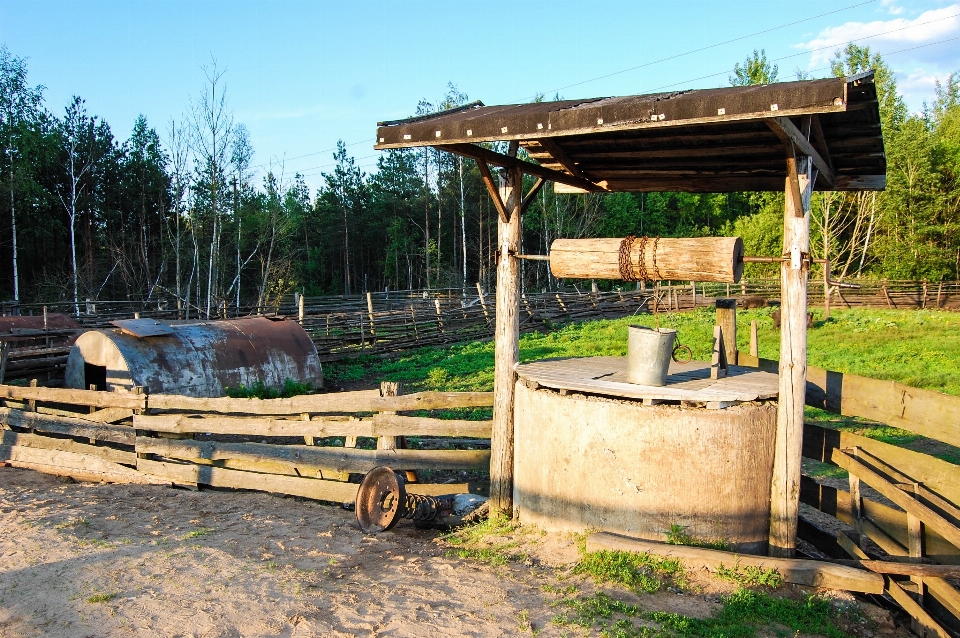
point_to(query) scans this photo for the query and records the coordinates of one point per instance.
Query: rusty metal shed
(198, 359)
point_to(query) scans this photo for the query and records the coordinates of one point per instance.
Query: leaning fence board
(335, 458)
(377, 425)
(69, 426)
(319, 489)
(913, 608)
(887, 520)
(801, 572)
(76, 397)
(935, 474)
(911, 504)
(79, 466)
(346, 402)
(8, 437)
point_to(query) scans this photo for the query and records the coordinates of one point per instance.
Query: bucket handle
(687, 355)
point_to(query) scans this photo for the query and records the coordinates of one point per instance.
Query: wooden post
(373, 330)
(436, 304)
(693, 290)
(506, 347)
(300, 312)
(32, 403)
(727, 320)
(4, 355)
(915, 549)
(785, 489)
(827, 292)
(754, 341)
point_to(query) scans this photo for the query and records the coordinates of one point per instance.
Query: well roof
(710, 140)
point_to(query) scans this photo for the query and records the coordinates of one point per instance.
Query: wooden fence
(919, 520)
(304, 446)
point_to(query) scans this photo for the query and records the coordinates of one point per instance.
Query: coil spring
(419, 507)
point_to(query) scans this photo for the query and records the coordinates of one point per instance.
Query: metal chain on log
(639, 273)
(626, 245)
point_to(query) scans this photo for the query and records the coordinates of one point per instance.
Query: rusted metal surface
(55, 321)
(197, 359)
(713, 140)
(143, 327)
(382, 500)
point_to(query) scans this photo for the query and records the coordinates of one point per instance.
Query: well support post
(506, 345)
(794, 271)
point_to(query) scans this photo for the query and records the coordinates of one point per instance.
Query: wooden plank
(506, 349)
(884, 525)
(64, 425)
(318, 427)
(82, 467)
(319, 489)
(334, 458)
(727, 320)
(498, 159)
(344, 402)
(936, 475)
(801, 572)
(492, 189)
(785, 487)
(74, 397)
(909, 503)
(10, 438)
(786, 130)
(924, 412)
(910, 606)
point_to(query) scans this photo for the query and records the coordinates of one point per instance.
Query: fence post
(300, 309)
(483, 303)
(727, 320)
(373, 330)
(436, 303)
(754, 341)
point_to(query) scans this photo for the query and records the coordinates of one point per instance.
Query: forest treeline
(179, 214)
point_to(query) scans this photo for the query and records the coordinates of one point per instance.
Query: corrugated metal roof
(712, 140)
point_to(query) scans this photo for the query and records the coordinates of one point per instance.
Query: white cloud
(929, 26)
(891, 8)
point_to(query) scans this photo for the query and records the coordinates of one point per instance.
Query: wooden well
(594, 452)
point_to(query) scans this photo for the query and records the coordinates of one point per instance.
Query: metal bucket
(648, 354)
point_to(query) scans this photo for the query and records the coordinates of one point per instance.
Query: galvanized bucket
(648, 354)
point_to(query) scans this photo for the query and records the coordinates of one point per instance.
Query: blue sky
(301, 75)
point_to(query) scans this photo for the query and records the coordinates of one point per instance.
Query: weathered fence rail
(168, 439)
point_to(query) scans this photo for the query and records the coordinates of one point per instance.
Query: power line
(711, 46)
(646, 64)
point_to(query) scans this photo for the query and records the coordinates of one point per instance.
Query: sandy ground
(80, 559)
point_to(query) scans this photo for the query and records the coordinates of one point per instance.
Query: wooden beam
(563, 159)
(785, 489)
(787, 131)
(497, 159)
(926, 621)
(529, 197)
(801, 572)
(820, 141)
(506, 348)
(493, 189)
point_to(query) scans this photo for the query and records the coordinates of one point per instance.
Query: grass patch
(743, 613)
(678, 535)
(918, 347)
(481, 541)
(258, 390)
(200, 532)
(751, 576)
(642, 573)
(103, 597)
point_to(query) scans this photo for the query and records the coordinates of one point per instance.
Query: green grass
(102, 597)
(198, 533)
(642, 573)
(258, 390)
(917, 347)
(678, 535)
(743, 613)
(482, 541)
(751, 576)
